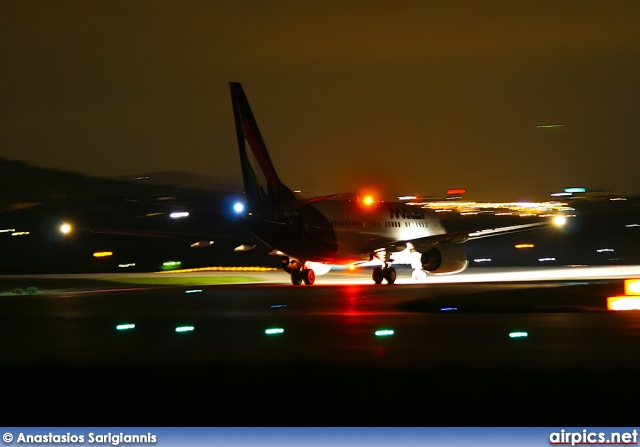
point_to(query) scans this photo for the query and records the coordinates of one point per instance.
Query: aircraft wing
(423, 244)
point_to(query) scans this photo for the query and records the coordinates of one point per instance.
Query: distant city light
(193, 291)
(604, 250)
(546, 259)
(200, 244)
(184, 329)
(560, 194)
(244, 247)
(274, 331)
(20, 233)
(525, 246)
(572, 190)
(179, 214)
(559, 221)
(131, 264)
(482, 260)
(65, 228)
(549, 126)
(125, 327)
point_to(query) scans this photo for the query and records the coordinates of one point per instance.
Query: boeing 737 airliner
(311, 235)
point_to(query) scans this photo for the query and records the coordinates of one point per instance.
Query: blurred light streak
(623, 303)
(632, 286)
(223, 269)
(518, 334)
(384, 332)
(102, 254)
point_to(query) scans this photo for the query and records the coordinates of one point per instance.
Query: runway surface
(444, 346)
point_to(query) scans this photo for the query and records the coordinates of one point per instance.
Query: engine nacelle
(444, 258)
(318, 268)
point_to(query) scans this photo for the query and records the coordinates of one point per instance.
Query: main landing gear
(388, 273)
(298, 276)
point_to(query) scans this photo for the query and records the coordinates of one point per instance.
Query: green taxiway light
(384, 332)
(273, 331)
(125, 327)
(184, 329)
(518, 334)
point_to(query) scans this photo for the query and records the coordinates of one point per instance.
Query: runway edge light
(384, 332)
(623, 303)
(518, 334)
(632, 286)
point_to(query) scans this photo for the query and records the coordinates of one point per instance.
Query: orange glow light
(632, 286)
(623, 303)
(102, 254)
(368, 200)
(352, 268)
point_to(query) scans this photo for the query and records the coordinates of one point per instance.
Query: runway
(250, 342)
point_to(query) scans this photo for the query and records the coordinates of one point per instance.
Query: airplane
(311, 235)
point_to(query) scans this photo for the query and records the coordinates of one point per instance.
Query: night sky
(409, 97)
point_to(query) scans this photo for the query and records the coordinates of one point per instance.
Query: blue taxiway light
(384, 332)
(446, 309)
(276, 306)
(518, 334)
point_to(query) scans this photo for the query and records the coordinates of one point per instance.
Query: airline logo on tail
(262, 186)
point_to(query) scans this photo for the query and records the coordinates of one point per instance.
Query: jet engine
(444, 258)
(318, 268)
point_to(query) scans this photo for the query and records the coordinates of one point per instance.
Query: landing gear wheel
(377, 275)
(389, 274)
(308, 276)
(296, 277)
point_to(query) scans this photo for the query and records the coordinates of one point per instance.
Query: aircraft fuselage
(342, 231)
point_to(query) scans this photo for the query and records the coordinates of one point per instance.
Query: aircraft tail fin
(262, 186)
